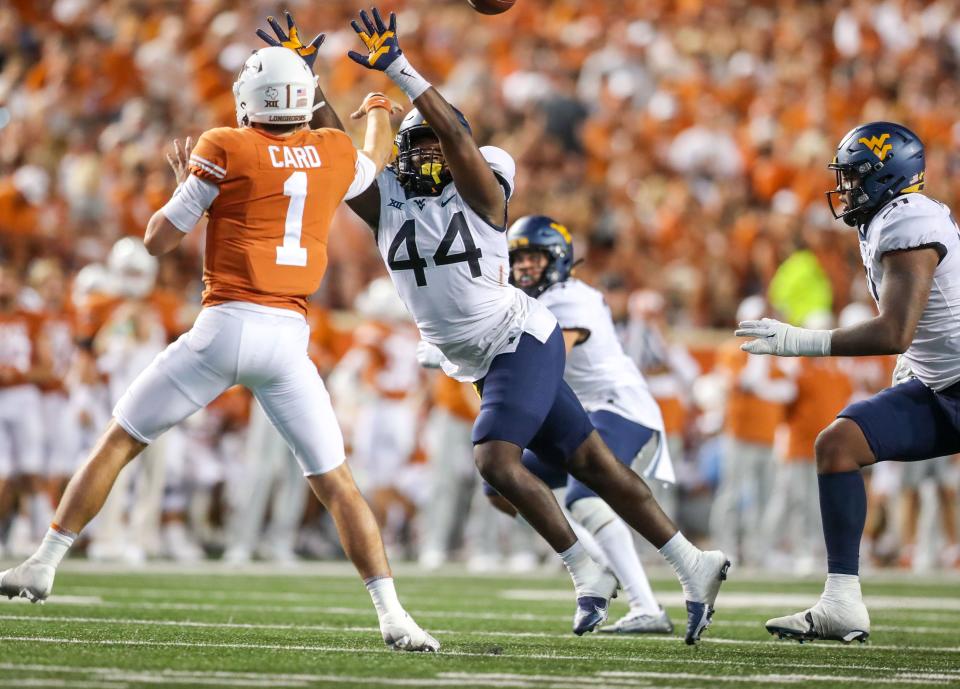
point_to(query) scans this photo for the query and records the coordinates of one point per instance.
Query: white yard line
(115, 677)
(740, 600)
(539, 656)
(733, 600)
(769, 678)
(598, 638)
(111, 675)
(774, 679)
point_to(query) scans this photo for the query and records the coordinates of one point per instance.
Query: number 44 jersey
(452, 269)
(271, 200)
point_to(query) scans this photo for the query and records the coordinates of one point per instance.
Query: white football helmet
(133, 269)
(275, 86)
(92, 278)
(381, 302)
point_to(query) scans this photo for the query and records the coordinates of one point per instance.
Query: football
(491, 6)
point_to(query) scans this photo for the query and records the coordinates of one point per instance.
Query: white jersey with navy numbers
(908, 222)
(452, 270)
(598, 371)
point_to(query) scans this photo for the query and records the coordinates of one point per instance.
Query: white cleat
(638, 622)
(30, 580)
(700, 588)
(832, 620)
(403, 634)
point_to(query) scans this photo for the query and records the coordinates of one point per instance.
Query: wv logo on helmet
(877, 144)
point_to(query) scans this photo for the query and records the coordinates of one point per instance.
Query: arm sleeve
(208, 159)
(190, 201)
(365, 173)
(503, 166)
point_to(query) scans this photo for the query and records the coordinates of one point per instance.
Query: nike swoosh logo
(406, 73)
(444, 203)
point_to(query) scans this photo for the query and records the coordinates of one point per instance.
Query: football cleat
(636, 622)
(592, 610)
(401, 633)
(701, 588)
(834, 621)
(30, 580)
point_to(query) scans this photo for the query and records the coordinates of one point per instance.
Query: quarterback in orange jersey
(270, 187)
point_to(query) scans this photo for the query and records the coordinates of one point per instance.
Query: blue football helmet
(875, 162)
(421, 171)
(540, 233)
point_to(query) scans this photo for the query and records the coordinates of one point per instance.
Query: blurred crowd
(685, 145)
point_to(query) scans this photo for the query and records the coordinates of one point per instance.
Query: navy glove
(379, 39)
(292, 41)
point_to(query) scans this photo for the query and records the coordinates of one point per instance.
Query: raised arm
(907, 277)
(367, 203)
(475, 180)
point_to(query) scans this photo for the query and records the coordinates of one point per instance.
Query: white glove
(429, 356)
(902, 371)
(780, 339)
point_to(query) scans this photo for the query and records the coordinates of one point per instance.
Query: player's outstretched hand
(291, 39)
(180, 159)
(780, 339)
(379, 39)
(375, 100)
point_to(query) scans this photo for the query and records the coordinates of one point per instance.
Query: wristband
(375, 100)
(407, 78)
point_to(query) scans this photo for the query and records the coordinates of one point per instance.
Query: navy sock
(843, 508)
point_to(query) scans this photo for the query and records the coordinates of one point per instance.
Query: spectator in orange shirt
(823, 388)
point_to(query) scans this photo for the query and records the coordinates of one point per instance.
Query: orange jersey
(459, 399)
(18, 332)
(869, 374)
(267, 235)
(391, 369)
(823, 389)
(748, 418)
(55, 347)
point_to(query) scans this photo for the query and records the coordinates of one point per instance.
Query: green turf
(219, 628)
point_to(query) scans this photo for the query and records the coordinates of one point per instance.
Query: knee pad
(592, 513)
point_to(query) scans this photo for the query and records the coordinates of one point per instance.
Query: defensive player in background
(910, 247)
(614, 393)
(21, 429)
(439, 218)
(270, 187)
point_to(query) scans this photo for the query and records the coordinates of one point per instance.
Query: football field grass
(214, 626)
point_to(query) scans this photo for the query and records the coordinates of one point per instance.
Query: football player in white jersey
(614, 393)
(439, 216)
(910, 245)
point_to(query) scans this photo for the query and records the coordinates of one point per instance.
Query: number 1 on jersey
(291, 253)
